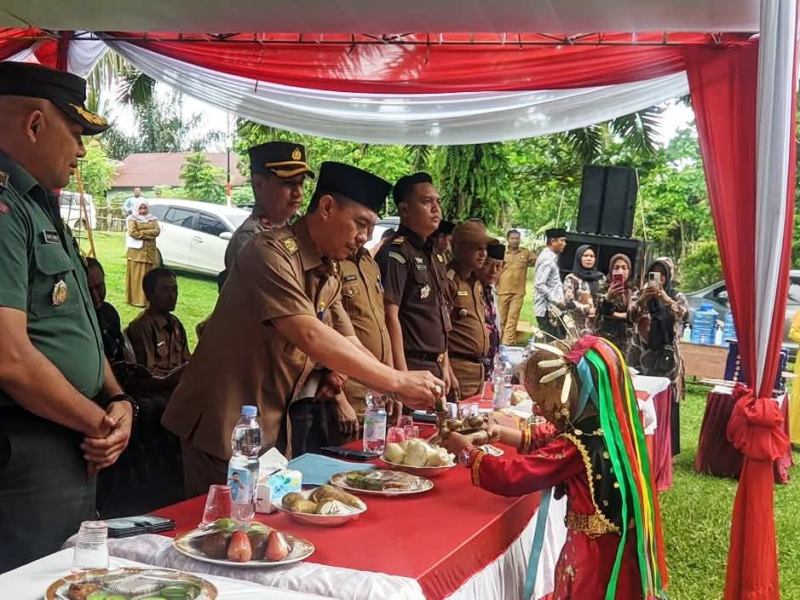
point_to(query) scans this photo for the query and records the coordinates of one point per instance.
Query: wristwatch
(130, 400)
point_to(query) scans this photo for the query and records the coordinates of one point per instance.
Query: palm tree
(112, 72)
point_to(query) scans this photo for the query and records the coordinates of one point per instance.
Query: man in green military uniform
(63, 417)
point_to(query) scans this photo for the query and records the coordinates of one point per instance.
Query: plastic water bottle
(243, 466)
(375, 423)
(687, 333)
(501, 379)
(703, 325)
(719, 338)
(730, 328)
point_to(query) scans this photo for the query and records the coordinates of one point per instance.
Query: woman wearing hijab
(582, 289)
(613, 318)
(142, 255)
(658, 317)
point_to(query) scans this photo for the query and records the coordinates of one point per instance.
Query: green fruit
(255, 526)
(225, 523)
(97, 596)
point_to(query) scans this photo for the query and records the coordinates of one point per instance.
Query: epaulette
(399, 240)
(290, 244)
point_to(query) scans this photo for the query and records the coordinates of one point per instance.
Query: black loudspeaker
(604, 246)
(608, 200)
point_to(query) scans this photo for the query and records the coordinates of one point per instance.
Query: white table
(29, 582)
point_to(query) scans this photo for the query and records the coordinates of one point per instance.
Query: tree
(96, 169)
(202, 180)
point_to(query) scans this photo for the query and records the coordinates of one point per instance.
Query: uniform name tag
(420, 264)
(349, 278)
(398, 257)
(50, 237)
(462, 293)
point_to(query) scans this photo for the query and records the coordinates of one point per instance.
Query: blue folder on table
(318, 469)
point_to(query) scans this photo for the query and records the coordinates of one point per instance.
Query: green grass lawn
(696, 511)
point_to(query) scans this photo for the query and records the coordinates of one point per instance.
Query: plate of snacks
(382, 482)
(131, 584)
(234, 544)
(418, 457)
(326, 506)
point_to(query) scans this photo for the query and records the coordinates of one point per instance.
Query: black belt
(432, 357)
(468, 357)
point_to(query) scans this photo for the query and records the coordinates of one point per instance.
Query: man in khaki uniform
(362, 298)
(468, 342)
(511, 286)
(279, 314)
(278, 171)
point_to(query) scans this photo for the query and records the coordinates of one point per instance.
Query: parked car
(195, 235)
(69, 205)
(391, 222)
(717, 296)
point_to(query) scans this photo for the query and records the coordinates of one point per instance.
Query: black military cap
(496, 251)
(445, 228)
(65, 90)
(284, 159)
(555, 232)
(353, 183)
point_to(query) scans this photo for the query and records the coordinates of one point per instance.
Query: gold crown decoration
(91, 117)
(297, 154)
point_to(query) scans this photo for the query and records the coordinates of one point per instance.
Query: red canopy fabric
(460, 63)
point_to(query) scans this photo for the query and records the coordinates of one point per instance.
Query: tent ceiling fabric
(371, 16)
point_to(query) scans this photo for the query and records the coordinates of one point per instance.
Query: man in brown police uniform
(468, 342)
(278, 316)
(277, 171)
(362, 298)
(442, 240)
(413, 274)
(511, 286)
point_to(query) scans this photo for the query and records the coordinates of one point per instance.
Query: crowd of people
(306, 322)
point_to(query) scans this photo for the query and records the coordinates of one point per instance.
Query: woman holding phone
(613, 321)
(658, 316)
(582, 289)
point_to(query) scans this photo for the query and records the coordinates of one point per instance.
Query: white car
(195, 235)
(380, 227)
(69, 205)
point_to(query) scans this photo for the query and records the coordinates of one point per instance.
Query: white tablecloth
(500, 580)
(30, 581)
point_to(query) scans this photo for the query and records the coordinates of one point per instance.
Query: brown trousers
(508, 308)
(201, 470)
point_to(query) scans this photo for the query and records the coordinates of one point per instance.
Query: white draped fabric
(84, 54)
(459, 118)
(775, 112)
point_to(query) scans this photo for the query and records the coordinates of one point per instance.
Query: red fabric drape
(724, 86)
(13, 40)
(434, 68)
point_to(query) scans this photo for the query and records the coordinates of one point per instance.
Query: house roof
(164, 168)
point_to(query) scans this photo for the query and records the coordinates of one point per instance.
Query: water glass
(405, 421)
(218, 504)
(395, 435)
(91, 548)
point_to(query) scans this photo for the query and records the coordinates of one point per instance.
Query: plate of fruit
(417, 457)
(131, 584)
(327, 506)
(235, 544)
(382, 482)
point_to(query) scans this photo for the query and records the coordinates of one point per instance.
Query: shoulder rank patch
(290, 244)
(4, 208)
(3, 180)
(398, 257)
(451, 274)
(399, 240)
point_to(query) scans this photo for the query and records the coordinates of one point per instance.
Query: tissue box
(272, 487)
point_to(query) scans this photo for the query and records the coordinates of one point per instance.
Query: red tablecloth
(662, 443)
(715, 454)
(440, 538)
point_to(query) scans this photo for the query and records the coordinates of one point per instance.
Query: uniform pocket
(53, 264)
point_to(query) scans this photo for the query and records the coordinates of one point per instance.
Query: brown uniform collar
(416, 240)
(309, 255)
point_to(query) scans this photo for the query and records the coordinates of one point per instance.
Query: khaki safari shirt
(468, 342)
(43, 274)
(251, 226)
(515, 271)
(241, 358)
(413, 278)
(362, 298)
(159, 343)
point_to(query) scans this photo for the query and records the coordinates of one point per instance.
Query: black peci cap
(445, 228)
(496, 251)
(351, 182)
(555, 232)
(283, 159)
(65, 90)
